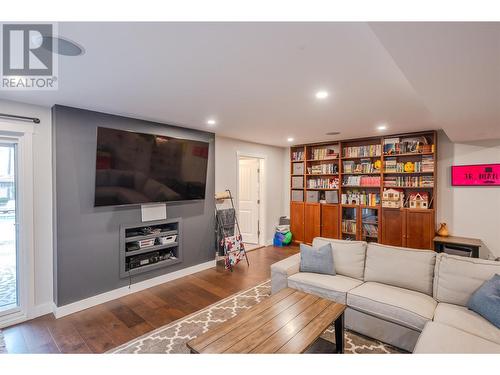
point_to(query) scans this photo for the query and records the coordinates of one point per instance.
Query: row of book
(324, 153)
(393, 146)
(366, 166)
(370, 230)
(427, 164)
(393, 165)
(356, 197)
(323, 183)
(348, 226)
(297, 155)
(409, 181)
(371, 181)
(323, 169)
(362, 151)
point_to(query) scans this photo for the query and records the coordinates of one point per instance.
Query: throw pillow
(486, 300)
(317, 260)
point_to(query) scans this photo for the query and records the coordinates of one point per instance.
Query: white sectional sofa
(412, 299)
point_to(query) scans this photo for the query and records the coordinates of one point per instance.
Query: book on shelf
(323, 169)
(362, 151)
(323, 183)
(297, 155)
(348, 226)
(392, 165)
(364, 166)
(362, 181)
(364, 198)
(413, 145)
(409, 181)
(327, 152)
(370, 230)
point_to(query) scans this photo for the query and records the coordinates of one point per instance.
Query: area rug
(172, 338)
(3, 348)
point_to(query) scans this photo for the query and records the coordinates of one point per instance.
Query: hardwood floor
(111, 324)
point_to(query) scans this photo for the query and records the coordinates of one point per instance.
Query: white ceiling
(258, 79)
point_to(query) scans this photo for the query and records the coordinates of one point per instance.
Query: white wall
(469, 211)
(226, 177)
(42, 180)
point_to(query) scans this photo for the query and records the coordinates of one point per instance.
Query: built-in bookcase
(348, 179)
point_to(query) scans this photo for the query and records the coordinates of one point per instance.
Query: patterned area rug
(3, 348)
(172, 337)
(7, 286)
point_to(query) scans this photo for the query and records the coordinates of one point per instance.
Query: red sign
(475, 175)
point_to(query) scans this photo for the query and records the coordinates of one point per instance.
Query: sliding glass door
(9, 254)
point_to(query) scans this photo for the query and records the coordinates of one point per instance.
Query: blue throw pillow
(317, 260)
(486, 300)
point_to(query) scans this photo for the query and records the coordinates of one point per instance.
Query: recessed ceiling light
(322, 94)
(211, 122)
(333, 133)
(382, 127)
(289, 139)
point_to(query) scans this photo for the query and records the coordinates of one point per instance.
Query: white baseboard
(42, 309)
(60, 311)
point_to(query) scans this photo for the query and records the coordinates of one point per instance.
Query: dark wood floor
(111, 324)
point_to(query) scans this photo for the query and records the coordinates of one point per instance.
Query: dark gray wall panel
(87, 238)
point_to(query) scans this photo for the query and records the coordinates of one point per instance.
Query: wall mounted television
(138, 168)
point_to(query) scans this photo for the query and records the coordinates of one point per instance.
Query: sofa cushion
(462, 318)
(326, 286)
(402, 306)
(441, 338)
(457, 277)
(401, 267)
(486, 301)
(348, 256)
(317, 260)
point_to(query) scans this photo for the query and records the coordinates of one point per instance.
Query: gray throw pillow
(486, 300)
(317, 260)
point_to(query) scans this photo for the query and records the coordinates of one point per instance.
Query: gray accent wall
(86, 238)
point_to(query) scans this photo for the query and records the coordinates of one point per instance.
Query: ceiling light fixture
(382, 127)
(322, 94)
(290, 139)
(57, 44)
(211, 122)
(333, 133)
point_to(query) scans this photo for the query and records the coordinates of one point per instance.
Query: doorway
(251, 200)
(9, 254)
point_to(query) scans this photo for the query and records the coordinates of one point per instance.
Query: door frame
(22, 135)
(262, 191)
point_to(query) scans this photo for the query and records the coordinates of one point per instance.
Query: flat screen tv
(137, 168)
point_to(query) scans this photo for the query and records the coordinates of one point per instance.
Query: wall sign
(475, 175)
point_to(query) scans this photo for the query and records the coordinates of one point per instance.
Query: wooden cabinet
(330, 218)
(420, 229)
(297, 221)
(312, 221)
(408, 227)
(360, 223)
(393, 227)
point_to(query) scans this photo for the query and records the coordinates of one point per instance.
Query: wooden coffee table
(289, 321)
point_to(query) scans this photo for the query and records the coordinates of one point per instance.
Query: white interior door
(248, 199)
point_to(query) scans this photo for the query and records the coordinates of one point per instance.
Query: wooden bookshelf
(364, 153)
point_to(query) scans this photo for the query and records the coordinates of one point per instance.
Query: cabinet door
(312, 222)
(420, 229)
(350, 223)
(393, 226)
(330, 218)
(370, 224)
(297, 221)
